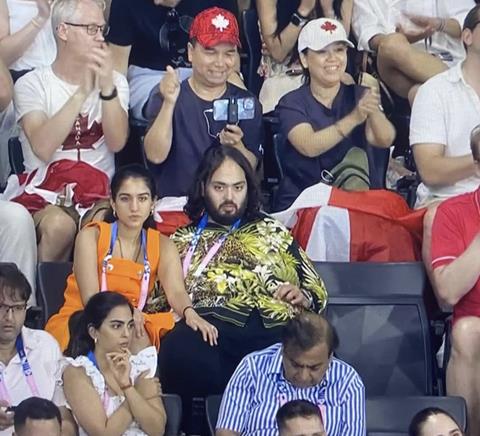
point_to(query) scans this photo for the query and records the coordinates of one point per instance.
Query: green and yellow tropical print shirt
(244, 274)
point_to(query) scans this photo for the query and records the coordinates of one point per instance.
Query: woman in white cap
(325, 119)
(280, 24)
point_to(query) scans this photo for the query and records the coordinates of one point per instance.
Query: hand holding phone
(231, 135)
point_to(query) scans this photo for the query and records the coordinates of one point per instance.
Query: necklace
(121, 251)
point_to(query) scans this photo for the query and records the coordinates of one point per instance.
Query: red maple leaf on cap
(328, 26)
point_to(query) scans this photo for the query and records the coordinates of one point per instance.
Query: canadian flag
(335, 225)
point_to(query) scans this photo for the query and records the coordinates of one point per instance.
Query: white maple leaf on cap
(220, 22)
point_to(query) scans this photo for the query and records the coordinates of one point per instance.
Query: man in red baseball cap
(183, 123)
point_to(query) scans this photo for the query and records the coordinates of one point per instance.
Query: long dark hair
(418, 421)
(211, 161)
(93, 315)
(132, 171)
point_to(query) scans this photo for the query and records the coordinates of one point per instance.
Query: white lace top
(143, 361)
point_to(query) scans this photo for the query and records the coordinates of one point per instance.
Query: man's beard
(222, 218)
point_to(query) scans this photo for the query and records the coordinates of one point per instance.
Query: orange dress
(123, 276)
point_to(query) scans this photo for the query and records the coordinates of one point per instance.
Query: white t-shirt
(45, 357)
(372, 17)
(445, 111)
(41, 90)
(43, 49)
(145, 360)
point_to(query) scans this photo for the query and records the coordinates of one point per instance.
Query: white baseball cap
(319, 33)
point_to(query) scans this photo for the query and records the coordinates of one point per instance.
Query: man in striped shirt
(301, 367)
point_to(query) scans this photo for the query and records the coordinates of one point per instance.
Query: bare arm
(85, 263)
(120, 56)
(87, 406)
(313, 143)
(69, 426)
(12, 46)
(6, 86)
(170, 275)
(438, 170)
(456, 279)
(346, 11)
(158, 140)
(279, 45)
(146, 406)
(378, 129)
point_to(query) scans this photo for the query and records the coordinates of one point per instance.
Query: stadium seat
(374, 279)
(392, 415)
(387, 340)
(51, 283)
(278, 151)
(173, 408)
(212, 406)
(253, 81)
(15, 155)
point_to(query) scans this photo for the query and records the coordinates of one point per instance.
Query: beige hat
(319, 33)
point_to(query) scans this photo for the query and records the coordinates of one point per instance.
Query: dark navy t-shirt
(194, 130)
(143, 25)
(299, 107)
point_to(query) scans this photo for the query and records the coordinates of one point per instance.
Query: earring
(114, 214)
(95, 340)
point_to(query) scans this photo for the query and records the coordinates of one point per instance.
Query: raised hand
(44, 7)
(170, 86)
(231, 135)
(119, 364)
(100, 61)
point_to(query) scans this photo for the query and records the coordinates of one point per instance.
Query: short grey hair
(64, 10)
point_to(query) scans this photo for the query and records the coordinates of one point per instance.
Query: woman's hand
(196, 322)
(291, 294)
(139, 323)
(119, 364)
(44, 7)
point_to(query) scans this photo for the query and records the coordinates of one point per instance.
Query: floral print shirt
(244, 274)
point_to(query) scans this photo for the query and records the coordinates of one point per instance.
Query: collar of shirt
(30, 341)
(276, 370)
(455, 74)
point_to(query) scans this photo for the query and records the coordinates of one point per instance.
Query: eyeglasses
(15, 308)
(92, 29)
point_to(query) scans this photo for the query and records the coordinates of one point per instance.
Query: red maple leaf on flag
(328, 26)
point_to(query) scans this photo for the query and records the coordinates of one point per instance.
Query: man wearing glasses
(302, 367)
(73, 118)
(29, 359)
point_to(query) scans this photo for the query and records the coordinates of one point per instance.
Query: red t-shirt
(456, 223)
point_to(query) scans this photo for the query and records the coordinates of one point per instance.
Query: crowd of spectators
(230, 303)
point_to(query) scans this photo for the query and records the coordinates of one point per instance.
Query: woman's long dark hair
(211, 161)
(93, 315)
(418, 421)
(132, 171)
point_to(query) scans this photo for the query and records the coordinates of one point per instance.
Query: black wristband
(298, 20)
(302, 16)
(109, 97)
(186, 308)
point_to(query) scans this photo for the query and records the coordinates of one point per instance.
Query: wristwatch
(298, 20)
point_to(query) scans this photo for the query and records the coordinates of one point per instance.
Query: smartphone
(234, 109)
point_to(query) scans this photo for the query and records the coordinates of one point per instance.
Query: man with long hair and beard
(245, 275)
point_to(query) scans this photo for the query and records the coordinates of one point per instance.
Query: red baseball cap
(214, 26)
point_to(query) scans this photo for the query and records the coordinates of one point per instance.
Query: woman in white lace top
(110, 391)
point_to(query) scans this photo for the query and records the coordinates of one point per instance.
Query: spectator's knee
(17, 215)
(466, 339)
(394, 46)
(58, 226)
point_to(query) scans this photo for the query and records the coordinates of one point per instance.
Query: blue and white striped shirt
(258, 388)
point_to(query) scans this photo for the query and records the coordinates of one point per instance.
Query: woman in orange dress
(127, 256)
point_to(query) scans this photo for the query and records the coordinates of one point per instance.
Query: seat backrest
(393, 414)
(212, 407)
(251, 31)
(374, 279)
(173, 408)
(15, 155)
(387, 340)
(51, 284)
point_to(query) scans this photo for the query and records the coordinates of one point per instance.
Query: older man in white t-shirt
(413, 39)
(445, 111)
